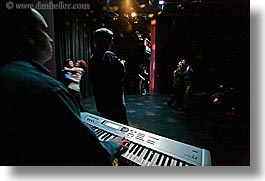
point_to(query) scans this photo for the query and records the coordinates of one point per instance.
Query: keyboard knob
(124, 129)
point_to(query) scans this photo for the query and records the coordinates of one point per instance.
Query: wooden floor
(226, 136)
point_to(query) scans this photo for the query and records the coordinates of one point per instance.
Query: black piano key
(139, 154)
(183, 163)
(100, 132)
(133, 147)
(104, 137)
(151, 156)
(147, 153)
(141, 150)
(169, 161)
(154, 158)
(129, 150)
(140, 158)
(189, 164)
(135, 151)
(126, 144)
(158, 159)
(111, 136)
(178, 162)
(129, 147)
(164, 160)
(107, 136)
(135, 158)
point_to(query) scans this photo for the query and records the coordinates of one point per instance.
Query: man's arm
(81, 137)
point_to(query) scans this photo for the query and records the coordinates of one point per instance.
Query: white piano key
(148, 163)
(163, 161)
(140, 151)
(146, 155)
(135, 148)
(140, 160)
(102, 135)
(132, 152)
(167, 159)
(159, 159)
(154, 159)
(173, 162)
(135, 157)
(128, 151)
(107, 136)
(111, 137)
(160, 162)
(95, 129)
(181, 164)
(100, 132)
(174, 148)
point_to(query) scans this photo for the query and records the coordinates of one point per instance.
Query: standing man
(188, 73)
(178, 88)
(107, 75)
(40, 119)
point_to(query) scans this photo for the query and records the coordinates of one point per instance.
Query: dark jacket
(107, 75)
(40, 121)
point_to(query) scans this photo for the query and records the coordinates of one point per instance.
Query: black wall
(217, 47)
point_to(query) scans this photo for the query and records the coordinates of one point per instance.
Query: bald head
(25, 36)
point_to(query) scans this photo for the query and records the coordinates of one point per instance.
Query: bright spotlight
(161, 2)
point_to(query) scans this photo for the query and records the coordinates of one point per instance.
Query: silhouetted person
(188, 77)
(144, 80)
(40, 121)
(178, 88)
(107, 75)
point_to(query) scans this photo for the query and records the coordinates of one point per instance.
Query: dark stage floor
(225, 135)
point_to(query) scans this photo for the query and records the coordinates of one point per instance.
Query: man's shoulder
(110, 57)
(23, 73)
(109, 53)
(105, 56)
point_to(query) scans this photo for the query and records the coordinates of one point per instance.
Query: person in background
(144, 81)
(67, 71)
(178, 88)
(73, 75)
(40, 120)
(107, 74)
(188, 76)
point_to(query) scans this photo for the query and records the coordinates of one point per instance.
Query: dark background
(214, 36)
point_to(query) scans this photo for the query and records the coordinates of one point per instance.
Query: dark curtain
(73, 40)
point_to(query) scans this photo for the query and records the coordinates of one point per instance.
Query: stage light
(150, 15)
(133, 14)
(161, 2)
(142, 6)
